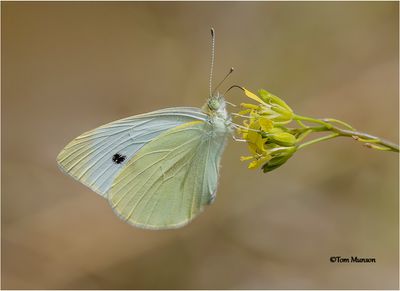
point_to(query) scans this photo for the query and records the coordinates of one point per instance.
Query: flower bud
(285, 113)
(279, 157)
(271, 98)
(280, 137)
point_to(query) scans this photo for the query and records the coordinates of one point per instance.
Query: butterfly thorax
(218, 117)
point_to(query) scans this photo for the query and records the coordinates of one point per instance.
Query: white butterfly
(158, 170)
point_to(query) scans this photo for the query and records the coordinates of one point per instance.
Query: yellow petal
(252, 149)
(254, 138)
(255, 144)
(253, 165)
(246, 158)
(244, 112)
(259, 162)
(265, 123)
(252, 96)
(250, 106)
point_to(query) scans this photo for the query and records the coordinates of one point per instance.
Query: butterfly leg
(238, 139)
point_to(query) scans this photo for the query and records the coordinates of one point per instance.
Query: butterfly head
(214, 103)
(216, 106)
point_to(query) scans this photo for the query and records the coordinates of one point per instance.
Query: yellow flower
(269, 143)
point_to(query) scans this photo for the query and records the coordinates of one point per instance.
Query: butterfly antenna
(212, 58)
(226, 77)
(231, 87)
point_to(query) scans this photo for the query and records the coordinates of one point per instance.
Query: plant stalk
(367, 139)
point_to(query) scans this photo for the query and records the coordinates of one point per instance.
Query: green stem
(313, 120)
(301, 123)
(333, 135)
(339, 122)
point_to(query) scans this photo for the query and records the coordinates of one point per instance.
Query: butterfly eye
(213, 104)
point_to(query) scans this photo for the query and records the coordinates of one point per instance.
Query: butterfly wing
(170, 179)
(89, 157)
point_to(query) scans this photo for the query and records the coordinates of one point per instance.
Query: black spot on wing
(118, 158)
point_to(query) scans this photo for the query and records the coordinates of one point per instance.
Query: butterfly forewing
(96, 157)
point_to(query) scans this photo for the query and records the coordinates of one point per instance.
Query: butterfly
(158, 170)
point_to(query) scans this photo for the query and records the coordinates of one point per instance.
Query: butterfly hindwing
(96, 157)
(170, 179)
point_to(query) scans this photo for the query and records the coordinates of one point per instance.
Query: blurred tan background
(70, 67)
